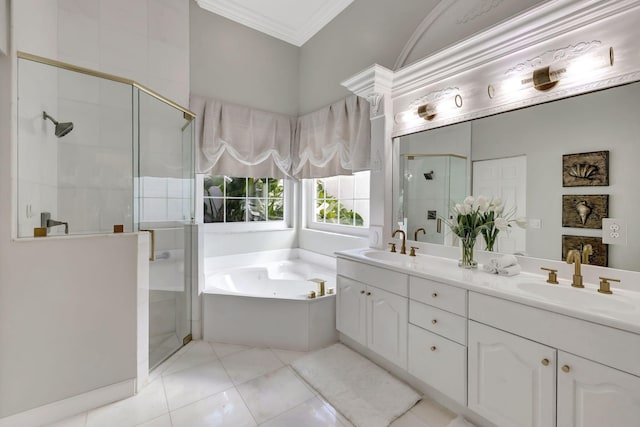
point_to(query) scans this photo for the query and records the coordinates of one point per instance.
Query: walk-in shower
(128, 165)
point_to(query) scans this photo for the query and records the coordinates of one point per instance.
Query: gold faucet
(587, 251)
(573, 256)
(320, 283)
(403, 249)
(415, 233)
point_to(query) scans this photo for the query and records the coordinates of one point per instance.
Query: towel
(504, 261)
(506, 265)
(512, 270)
(490, 268)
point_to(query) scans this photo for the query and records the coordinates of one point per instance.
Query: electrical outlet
(614, 231)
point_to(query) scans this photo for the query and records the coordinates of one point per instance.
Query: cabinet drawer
(388, 280)
(439, 295)
(441, 322)
(440, 363)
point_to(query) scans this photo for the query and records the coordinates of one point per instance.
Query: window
(340, 202)
(239, 199)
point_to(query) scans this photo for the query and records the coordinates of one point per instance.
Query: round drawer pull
(362, 292)
(566, 368)
(368, 293)
(435, 294)
(433, 348)
(434, 321)
(545, 362)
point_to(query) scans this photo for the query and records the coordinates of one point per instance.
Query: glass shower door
(165, 209)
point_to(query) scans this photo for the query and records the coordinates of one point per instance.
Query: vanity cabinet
(594, 395)
(373, 313)
(523, 365)
(511, 379)
(438, 336)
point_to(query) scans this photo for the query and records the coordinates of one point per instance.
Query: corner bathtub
(267, 305)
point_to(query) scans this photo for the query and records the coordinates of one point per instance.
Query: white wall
(366, 32)
(4, 27)
(237, 64)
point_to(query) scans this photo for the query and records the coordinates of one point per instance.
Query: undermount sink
(393, 257)
(580, 298)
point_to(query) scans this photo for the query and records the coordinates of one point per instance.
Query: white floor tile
(199, 353)
(432, 413)
(341, 417)
(288, 356)
(409, 420)
(163, 421)
(224, 409)
(148, 404)
(75, 421)
(312, 413)
(193, 384)
(224, 349)
(274, 393)
(250, 364)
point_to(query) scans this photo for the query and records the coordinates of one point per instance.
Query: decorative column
(375, 84)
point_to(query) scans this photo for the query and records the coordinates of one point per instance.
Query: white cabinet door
(594, 395)
(387, 321)
(351, 309)
(512, 381)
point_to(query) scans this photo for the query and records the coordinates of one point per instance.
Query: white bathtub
(266, 304)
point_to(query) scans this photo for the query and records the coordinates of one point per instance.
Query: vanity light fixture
(430, 111)
(545, 78)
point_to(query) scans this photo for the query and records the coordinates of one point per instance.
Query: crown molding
(295, 35)
(374, 80)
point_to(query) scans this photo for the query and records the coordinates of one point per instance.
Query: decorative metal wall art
(585, 169)
(599, 256)
(584, 211)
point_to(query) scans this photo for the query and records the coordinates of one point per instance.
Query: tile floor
(216, 384)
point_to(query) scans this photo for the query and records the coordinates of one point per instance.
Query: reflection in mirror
(432, 174)
(538, 137)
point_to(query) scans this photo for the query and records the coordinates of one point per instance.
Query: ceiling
(293, 21)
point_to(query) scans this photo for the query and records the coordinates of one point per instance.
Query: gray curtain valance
(335, 140)
(235, 140)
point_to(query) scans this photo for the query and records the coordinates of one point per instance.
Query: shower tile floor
(217, 384)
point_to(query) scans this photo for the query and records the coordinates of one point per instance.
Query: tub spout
(320, 283)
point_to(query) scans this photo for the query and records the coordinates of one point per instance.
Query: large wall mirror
(563, 165)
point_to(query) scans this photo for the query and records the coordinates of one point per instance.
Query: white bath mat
(364, 393)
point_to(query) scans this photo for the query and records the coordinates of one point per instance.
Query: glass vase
(467, 243)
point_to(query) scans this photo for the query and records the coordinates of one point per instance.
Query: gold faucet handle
(605, 286)
(393, 247)
(553, 276)
(413, 251)
(321, 283)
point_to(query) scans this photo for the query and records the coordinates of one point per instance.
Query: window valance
(335, 140)
(235, 140)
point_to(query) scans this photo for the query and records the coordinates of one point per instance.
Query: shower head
(61, 128)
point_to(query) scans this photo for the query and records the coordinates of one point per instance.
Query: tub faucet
(403, 249)
(46, 221)
(320, 283)
(573, 256)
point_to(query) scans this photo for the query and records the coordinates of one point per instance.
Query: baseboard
(66, 408)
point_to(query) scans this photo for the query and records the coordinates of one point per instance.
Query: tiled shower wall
(85, 178)
(143, 40)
